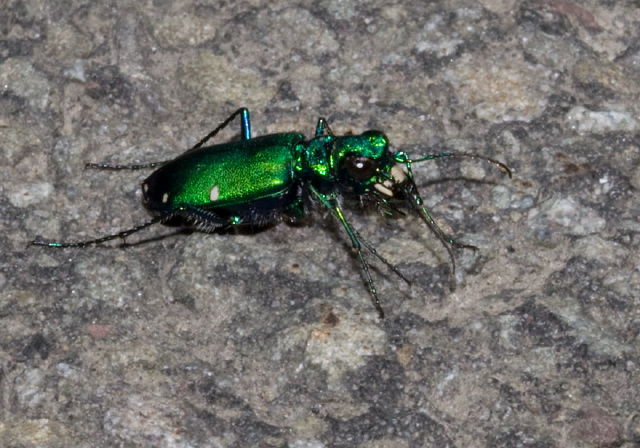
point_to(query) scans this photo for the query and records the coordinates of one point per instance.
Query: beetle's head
(364, 164)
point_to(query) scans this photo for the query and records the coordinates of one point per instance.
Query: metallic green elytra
(262, 180)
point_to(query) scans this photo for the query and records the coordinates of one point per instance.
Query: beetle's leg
(411, 192)
(245, 128)
(385, 206)
(322, 127)
(245, 124)
(356, 242)
(413, 195)
(104, 239)
(373, 250)
(295, 212)
(206, 220)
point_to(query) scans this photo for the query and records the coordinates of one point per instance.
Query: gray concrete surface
(270, 339)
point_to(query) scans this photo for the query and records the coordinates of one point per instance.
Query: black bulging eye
(359, 168)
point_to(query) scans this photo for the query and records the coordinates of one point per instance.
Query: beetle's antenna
(104, 239)
(402, 157)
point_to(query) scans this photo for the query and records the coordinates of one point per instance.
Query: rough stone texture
(270, 339)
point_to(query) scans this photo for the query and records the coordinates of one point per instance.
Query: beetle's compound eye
(359, 168)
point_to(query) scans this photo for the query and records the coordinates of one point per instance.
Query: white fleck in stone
(214, 195)
(343, 348)
(501, 196)
(76, 71)
(145, 417)
(584, 120)
(28, 194)
(30, 390)
(568, 213)
(474, 171)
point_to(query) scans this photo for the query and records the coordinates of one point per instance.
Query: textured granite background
(270, 339)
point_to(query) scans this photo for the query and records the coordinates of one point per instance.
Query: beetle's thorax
(317, 163)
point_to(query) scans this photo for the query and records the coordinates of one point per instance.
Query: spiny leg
(104, 239)
(202, 219)
(373, 250)
(446, 240)
(411, 192)
(385, 206)
(370, 246)
(335, 209)
(245, 129)
(322, 126)
(355, 242)
(402, 157)
(206, 220)
(375, 253)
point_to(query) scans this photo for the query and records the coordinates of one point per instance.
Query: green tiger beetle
(262, 180)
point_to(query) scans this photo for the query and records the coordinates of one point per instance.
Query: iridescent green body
(232, 180)
(256, 181)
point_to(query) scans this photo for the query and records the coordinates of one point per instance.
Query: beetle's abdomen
(225, 176)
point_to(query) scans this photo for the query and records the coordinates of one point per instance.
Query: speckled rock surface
(270, 339)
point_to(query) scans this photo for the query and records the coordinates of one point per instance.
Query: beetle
(257, 181)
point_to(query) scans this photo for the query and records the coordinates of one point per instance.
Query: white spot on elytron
(165, 198)
(382, 189)
(145, 187)
(388, 183)
(398, 174)
(214, 194)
